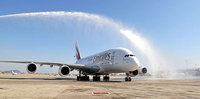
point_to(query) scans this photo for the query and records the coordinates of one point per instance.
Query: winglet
(78, 56)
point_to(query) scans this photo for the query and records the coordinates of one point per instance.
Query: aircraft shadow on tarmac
(68, 79)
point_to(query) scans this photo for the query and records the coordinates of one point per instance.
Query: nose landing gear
(128, 78)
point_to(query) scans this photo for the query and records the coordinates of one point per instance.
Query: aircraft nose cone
(136, 61)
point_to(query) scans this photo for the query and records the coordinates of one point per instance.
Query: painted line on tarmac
(100, 93)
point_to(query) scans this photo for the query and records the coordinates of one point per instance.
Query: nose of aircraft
(135, 62)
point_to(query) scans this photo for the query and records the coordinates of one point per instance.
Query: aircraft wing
(72, 66)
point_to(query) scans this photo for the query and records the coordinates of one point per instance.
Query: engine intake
(31, 68)
(64, 70)
(142, 70)
(135, 72)
(132, 73)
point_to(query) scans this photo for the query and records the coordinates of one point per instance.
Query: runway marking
(100, 93)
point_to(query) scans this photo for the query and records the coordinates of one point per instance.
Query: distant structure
(13, 71)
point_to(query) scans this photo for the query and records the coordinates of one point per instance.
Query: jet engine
(31, 68)
(142, 70)
(64, 70)
(132, 73)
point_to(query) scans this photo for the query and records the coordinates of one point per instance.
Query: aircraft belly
(111, 69)
(117, 68)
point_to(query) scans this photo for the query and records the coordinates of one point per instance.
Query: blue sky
(171, 25)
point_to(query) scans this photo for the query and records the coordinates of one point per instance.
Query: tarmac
(52, 86)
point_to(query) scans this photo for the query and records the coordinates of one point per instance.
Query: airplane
(116, 60)
(13, 73)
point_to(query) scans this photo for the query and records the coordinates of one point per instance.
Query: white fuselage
(118, 60)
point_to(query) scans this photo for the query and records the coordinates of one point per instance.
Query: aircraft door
(113, 59)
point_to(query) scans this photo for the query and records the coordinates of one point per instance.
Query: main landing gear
(106, 78)
(96, 78)
(82, 78)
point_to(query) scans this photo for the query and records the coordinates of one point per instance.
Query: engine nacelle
(64, 71)
(31, 68)
(132, 73)
(142, 70)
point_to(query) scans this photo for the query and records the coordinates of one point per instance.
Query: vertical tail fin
(78, 56)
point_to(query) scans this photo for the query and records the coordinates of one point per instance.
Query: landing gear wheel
(128, 78)
(78, 78)
(106, 78)
(96, 78)
(83, 78)
(86, 78)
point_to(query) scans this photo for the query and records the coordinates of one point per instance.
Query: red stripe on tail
(78, 56)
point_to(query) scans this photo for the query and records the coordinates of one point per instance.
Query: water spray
(137, 41)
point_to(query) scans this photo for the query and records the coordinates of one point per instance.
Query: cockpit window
(128, 55)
